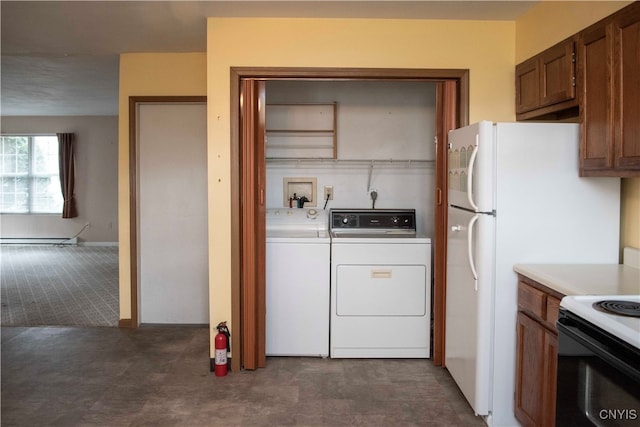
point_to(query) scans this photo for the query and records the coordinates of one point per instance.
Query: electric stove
(599, 310)
(598, 364)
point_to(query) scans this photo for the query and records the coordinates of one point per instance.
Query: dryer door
(381, 290)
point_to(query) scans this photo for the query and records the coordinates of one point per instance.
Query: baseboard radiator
(73, 241)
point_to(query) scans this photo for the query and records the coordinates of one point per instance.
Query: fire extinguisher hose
(222, 328)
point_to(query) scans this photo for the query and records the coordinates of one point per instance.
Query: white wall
(397, 186)
(96, 184)
(375, 120)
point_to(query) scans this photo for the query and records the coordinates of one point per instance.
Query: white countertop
(584, 279)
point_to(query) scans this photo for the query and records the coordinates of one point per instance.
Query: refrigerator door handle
(472, 264)
(470, 167)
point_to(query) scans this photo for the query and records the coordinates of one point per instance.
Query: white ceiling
(61, 57)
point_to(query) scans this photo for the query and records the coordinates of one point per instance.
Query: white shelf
(301, 130)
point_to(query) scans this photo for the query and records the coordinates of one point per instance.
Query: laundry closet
(337, 144)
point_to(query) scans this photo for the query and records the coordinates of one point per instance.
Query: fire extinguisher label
(221, 356)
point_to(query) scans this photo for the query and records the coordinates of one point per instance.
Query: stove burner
(622, 308)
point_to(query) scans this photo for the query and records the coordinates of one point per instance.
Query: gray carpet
(59, 286)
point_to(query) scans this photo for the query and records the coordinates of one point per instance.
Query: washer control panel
(296, 219)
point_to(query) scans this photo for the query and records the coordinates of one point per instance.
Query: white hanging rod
(369, 162)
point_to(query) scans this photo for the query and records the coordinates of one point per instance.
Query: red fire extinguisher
(222, 346)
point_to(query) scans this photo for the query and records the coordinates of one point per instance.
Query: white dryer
(380, 285)
(297, 282)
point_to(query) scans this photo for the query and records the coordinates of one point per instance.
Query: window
(30, 174)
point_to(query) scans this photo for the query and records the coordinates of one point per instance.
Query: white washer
(380, 285)
(297, 282)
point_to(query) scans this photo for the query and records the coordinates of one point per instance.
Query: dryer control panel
(371, 220)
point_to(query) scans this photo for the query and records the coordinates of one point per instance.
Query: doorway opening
(249, 187)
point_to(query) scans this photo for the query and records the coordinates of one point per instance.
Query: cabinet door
(527, 85)
(529, 370)
(626, 65)
(550, 372)
(557, 83)
(536, 370)
(596, 87)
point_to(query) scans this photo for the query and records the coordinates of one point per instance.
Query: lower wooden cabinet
(535, 373)
(549, 372)
(536, 355)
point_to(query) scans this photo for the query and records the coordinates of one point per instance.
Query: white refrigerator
(514, 197)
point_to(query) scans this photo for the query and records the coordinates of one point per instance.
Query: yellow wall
(630, 233)
(550, 22)
(147, 74)
(486, 48)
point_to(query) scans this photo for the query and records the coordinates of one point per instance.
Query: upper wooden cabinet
(593, 75)
(545, 84)
(528, 85)
(609, 95)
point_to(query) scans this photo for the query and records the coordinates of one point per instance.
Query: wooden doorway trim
(457, 102)
(134, 321)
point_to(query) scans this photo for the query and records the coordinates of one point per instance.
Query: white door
(172, 209)
(469, 308)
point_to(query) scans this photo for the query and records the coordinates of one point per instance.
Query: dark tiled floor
(160, 376)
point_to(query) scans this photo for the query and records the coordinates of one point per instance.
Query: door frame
(134, 262)
(452, 99)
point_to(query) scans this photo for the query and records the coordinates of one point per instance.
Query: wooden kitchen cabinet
(609, 95)
(536, 354)
(527, 85)
(545, 83)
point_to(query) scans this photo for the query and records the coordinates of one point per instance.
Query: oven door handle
(565, 327)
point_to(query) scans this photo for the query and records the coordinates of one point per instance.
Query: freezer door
(469, 307)
(471, 167)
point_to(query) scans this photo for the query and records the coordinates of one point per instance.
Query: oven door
(598, 376)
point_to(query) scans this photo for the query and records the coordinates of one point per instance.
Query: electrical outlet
(328, 192)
